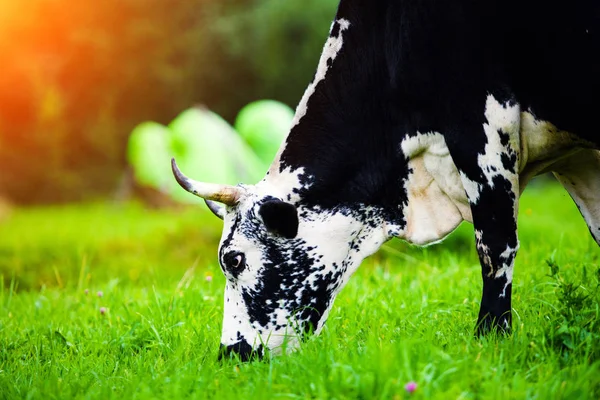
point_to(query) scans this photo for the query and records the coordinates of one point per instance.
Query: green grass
(408, 314)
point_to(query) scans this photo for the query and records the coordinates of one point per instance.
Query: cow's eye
(234, 261)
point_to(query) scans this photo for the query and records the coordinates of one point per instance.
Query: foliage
(81, 75)
(280, 40)
(264, 125)
(407, 315)
(206, 146)
(577, 321)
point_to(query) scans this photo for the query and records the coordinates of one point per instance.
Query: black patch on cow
(335, 30)
(227, 242)
(280, 218)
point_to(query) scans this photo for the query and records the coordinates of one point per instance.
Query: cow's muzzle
(242, 350)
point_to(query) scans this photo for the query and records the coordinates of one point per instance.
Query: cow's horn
(225, 194)
(215, 208)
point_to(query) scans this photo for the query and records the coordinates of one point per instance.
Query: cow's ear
(280, 218)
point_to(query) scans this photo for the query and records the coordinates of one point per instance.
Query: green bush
(281, 41)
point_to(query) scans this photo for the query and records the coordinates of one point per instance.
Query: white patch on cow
(506, 269)
(472, 188)
(506, 254)
(236, 316)
(283, 184)
(436, 201)
(501, 119)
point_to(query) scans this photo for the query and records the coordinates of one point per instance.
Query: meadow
(104, 300)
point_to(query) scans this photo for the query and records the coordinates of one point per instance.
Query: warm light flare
(10, 11)
(77, 76)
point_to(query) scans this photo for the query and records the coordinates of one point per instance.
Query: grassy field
(107, 301)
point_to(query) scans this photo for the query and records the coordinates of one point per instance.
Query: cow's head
(284, 262)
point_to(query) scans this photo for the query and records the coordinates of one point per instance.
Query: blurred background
(97, 96)
(77, 77)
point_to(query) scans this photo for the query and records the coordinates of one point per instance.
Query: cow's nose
(242, 349)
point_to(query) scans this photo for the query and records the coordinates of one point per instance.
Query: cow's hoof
(493, 325)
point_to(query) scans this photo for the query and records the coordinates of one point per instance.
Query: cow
(421, 114)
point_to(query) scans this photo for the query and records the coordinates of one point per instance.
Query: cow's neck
(343, 147)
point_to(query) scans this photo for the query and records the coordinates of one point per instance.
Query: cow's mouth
(242, 350)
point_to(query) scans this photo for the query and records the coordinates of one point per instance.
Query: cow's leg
(487, 158)
(580, 175)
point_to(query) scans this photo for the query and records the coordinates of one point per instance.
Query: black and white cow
(421, 114)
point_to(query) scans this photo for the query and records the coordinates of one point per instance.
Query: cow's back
(556, 71)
